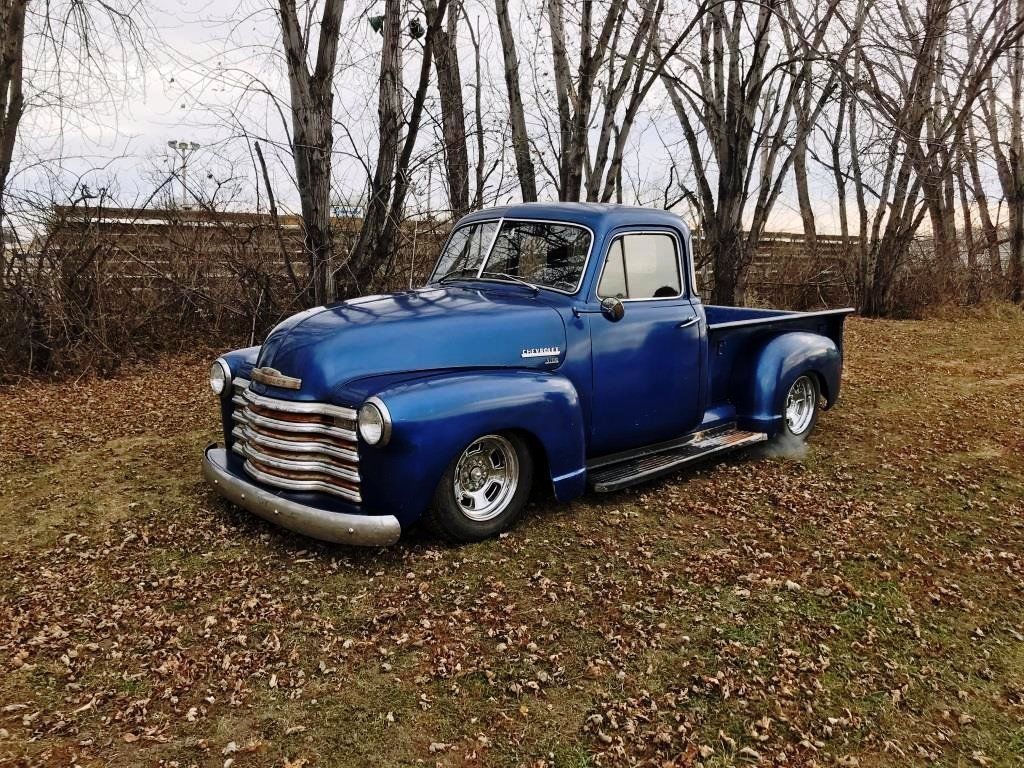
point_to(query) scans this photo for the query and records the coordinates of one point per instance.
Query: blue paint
(448, 362)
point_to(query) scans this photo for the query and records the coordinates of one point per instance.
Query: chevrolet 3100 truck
(561, 344)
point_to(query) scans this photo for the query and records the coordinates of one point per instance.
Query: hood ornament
(274, 378)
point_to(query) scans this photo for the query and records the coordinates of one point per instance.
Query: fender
(241, 361)
(761, 388)
(434, 418)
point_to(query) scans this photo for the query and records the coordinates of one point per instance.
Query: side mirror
(613, 309)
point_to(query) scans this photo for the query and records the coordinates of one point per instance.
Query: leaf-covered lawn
(862, 606)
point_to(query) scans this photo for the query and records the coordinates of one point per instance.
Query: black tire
(803, 422)
(466, 516)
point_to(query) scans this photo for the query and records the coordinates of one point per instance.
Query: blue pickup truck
(562, 345)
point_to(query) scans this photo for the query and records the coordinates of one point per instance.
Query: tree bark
(312, 107)
(360, 267)
(387, 245)
(1015, 199)
(12, 100)
(453, 110)
(517, 119)
(564, 94)
(988, 228)
(375, 250)
(803, 195)
(973, 288)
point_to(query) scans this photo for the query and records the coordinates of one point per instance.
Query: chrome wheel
(486, 477)
(800, 405)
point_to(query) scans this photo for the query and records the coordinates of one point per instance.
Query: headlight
(374, 422)
(220, 376)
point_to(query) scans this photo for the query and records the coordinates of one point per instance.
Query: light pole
(184, 150)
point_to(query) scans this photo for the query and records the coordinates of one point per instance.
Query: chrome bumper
(339, 527)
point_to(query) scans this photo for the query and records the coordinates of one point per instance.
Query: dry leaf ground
(861, 606)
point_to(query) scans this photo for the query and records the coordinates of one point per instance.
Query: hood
(429, 329)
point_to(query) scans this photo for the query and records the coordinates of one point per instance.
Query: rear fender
(435, 418)
(762, 386)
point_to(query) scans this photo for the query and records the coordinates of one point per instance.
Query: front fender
(775, 367)
(435, 418)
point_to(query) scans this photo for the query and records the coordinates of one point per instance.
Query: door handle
(688, 323)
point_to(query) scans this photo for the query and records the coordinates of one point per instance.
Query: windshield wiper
(501, 277)
(513, 278)
(456, 274)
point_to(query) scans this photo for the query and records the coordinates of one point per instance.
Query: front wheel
(484, 489)
(800, 410)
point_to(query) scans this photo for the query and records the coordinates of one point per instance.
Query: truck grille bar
(297, 446)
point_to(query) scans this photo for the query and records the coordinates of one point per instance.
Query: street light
(184, 149)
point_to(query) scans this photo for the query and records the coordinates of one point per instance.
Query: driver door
(646, 366)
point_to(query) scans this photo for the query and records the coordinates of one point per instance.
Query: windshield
(541, 253)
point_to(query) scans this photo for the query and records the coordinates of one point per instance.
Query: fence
(103, 285)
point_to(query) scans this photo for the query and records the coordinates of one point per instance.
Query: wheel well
(539, 456)
(822, 384)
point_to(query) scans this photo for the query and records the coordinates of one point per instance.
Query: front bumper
(339, 527)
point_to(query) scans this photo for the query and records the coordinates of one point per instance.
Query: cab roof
(597, 216)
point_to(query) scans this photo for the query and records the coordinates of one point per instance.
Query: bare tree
(743, 103)
(312, 111)
(453, 110)
(517, 117)
(480, 171)
(970, 152)
(898, 87)
(69, 57)
(374, 251)
(390, 118)
(1007, 141)
(12, 97)
(633, 72)
(575, 97)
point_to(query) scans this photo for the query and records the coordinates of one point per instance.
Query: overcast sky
(205, 66)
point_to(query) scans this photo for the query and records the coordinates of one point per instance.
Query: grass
(863, 605)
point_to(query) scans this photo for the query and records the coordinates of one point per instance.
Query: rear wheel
(484, 488)
(800, 410)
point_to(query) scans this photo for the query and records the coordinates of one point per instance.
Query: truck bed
(736, 333)
(723, 318)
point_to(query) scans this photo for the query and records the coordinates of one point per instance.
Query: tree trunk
(804, 197)
(12, 101)
(453, 111)
(725, 244)
(360, 266)
(387, 245)
(563, 91)
(374, 253)
(838, 175)
(984, 216)
(1016, 204)
(478, 119)
(973, 288)
(312, 102)
(1015, 200)
(312, 140)
(517, 119)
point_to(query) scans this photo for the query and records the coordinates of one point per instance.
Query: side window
(641, 266)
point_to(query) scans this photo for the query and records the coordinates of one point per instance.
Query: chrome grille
(297, 446)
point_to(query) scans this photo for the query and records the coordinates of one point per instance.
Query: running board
(637, 469)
